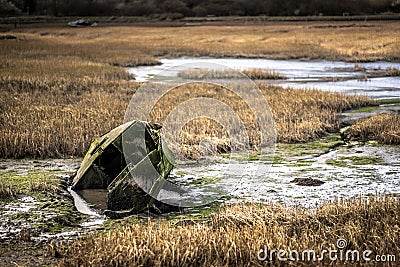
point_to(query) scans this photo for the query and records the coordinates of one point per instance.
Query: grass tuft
(384, 128)
(254, 74)
(7, 191)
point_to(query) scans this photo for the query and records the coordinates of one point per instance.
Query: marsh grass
(371, 73)
(6, 191)
(388, 72)
(43, 185)
(392, 72)
(61, 89)
(384, 128)
(56, 118)
(254, 74)
(234, 235)
(134, 45)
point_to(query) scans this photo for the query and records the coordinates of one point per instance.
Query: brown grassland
(234, 235)
(130, 45)
(61, 87)
(56, 120)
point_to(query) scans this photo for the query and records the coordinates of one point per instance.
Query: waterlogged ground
(297, 175)
(336, 76)
(346, 170)
(334, 168)
(43, 207)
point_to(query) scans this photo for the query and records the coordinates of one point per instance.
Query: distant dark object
(82, 23)
(8, 37)
(307, 182)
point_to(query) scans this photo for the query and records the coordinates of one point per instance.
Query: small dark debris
(307, 182)
(45, 206)
(63, 221)
(25, 235)
(272, 191)
(82, 23)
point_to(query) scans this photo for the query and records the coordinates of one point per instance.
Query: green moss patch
(354, 160)
(309, 148)
(389, 101)
(31, 182)
(365, 110)
(205, 180)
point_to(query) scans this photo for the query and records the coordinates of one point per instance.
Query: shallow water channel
(325, 75)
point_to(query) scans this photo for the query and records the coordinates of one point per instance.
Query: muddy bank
(41, 210)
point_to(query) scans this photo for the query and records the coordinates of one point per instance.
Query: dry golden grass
(263, 74)
(234, 235)
(384, 128)
(392, 72)
(299, 115)
(60, 90)
(54, 123)
(304, 115)
(132, 45)
(6, 191)
(254, 74)
(53, 118)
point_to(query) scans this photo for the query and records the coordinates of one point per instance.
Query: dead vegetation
(47, 118)
(254, 74)
(299, 115)
(384, 128)
(60, 88)
(129, 46)
(392, 72)
(234, 235)
(6, 191)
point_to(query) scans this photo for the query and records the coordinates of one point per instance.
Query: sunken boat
(132, 164)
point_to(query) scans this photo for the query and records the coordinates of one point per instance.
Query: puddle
(96, 197)
(300, 74)
(90, 202)
(82, 205)
(25, 204)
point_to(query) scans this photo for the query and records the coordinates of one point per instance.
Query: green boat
(132, 163)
